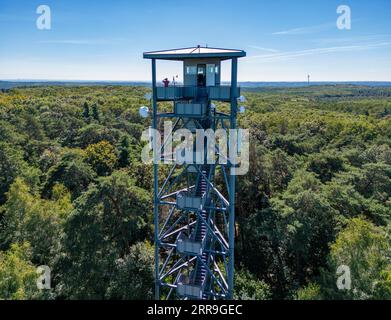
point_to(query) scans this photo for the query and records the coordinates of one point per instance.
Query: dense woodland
(75, 196)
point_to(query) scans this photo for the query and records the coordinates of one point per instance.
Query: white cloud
(264, 49)
(352, 40)
(306, 30)
(283, 56)
(83, 41)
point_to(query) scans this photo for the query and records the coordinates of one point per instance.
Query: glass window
(217, 69)
(191, 70)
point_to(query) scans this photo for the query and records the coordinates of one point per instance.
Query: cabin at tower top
(201, 65)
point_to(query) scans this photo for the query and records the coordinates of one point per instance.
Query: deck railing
(190, 109)
(222, 93)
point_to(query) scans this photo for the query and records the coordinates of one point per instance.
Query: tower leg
(234, 69)
(155, 187)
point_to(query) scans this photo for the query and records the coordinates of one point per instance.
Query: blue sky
(284, 39)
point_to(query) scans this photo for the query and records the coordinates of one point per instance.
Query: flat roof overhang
(194, 53)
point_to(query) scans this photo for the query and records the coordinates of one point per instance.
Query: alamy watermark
(224, 147)
(44, 279)
(44, 20)
(344, 280)
(344, 21)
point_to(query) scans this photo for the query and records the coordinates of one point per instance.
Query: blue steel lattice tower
(194, 214)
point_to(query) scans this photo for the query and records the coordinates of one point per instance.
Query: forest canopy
(75, 196)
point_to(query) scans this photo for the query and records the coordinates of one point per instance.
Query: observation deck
(173, 93)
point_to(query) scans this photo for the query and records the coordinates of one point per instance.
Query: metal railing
(169, 93)
(190, 109)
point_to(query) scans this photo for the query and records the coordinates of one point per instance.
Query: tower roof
(194, 53)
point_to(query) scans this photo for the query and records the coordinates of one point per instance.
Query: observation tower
(194, 209)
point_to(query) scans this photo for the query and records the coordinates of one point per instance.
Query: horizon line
(149, 81)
